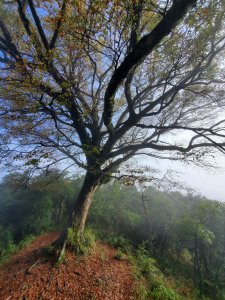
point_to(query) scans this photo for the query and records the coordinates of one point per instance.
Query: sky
(206, 182)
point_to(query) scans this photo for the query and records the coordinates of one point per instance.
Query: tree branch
(38, 24)
(143, 48)
(58, 25)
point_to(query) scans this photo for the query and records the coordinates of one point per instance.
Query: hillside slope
(98, 276)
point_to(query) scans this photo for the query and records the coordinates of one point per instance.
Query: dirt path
(97, 276)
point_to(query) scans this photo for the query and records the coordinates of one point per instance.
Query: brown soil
(98, 276)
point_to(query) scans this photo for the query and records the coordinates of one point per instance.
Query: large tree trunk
(84, 200)
(78, 217)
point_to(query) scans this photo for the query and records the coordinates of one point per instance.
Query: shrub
(81, 244)
(7, 246)
(147, 266)
(120, 242)
(161, 292)
(120, 255)
(141, 292)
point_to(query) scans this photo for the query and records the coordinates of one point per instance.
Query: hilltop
(29, 275)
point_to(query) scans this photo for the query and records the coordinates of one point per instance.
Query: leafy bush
(26, 241)
(7, 246)
(147, 265)
(141, 292)
(81, 244)
(120, 255)
(120, 242)
(161, 292)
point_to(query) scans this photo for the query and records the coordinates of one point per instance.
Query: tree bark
(83, 203)
(78, 217)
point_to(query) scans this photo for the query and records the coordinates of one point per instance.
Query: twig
(28, 271)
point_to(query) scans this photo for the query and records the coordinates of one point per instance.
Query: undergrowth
(151, 283)
(81, 244)
(120, 242)
(10, 248)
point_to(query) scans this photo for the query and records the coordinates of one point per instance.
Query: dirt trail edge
(97, 276)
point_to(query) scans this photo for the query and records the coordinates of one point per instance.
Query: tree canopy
(101, 82)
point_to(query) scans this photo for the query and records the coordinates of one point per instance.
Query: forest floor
(96, 276)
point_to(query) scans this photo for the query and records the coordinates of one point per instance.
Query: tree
(101, 82)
